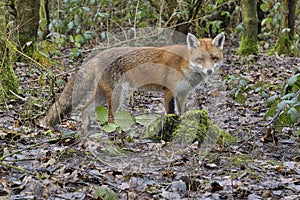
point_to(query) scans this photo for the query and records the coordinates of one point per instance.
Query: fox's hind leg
(89, 108)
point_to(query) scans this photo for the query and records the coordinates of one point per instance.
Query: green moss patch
(194, 125)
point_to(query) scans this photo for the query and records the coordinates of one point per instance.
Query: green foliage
(210, 16)
(194, 125)
(298, 133)
(270, 27)
(75, 23)
(123, 120)
(145, 120)
(285, 46)
(239, 86)
(105, 193)
(270, 24)
(285, 108)
(101, 114)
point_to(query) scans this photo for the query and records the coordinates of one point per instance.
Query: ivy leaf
(239, 97)
(264, 7)
(272, 99)
(288, 96)
(79, 39)
(291, 81)
(283, 104)
(87, 9)
(105, 193)
(72, 38)
(101, 114)
(70, 25)
(109, 127)
(124, 119)
(146, 119)
(294, 114)
(284, 119)
(271, 112)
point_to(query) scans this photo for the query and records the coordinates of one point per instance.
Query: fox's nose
(209, 71)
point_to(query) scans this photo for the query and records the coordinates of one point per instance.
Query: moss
(248, 46)
(8, 80)
(194, 125)
(285, 46)
(162, 128)
(226, 137)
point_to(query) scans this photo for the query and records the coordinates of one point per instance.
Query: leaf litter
(263, 164)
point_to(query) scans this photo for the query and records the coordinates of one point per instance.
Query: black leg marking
(172, 106)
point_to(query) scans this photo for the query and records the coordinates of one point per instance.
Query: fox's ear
(218, 41)
(192, 42)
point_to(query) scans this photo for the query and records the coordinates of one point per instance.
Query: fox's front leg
(181, 92)
(169, 101)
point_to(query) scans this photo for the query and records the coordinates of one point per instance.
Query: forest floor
(263, 163)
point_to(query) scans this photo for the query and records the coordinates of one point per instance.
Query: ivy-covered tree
(8, 81)
(285, 44)
(28, 23)
(249, 42)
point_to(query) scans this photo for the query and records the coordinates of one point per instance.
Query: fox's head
(205, 55)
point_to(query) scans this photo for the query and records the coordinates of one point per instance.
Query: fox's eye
(215, 58)
(200, 59)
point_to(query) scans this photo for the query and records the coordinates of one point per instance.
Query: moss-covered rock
(162, 128)
(194, 125)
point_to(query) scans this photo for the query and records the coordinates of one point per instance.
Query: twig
(135, 17)
(23, 149)
(13, 167)
(57, 75)
(34, 145)
(97, 157)
(265, 127)
(24, 99)
(29, 58)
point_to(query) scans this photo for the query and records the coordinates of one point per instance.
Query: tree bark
(249, 43)
(8, 81)
(291, 18)
(28, 21)
(284, 44)
(2, 26)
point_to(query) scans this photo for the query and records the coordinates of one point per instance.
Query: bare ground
(264, 164)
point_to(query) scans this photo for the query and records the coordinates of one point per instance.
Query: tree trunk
(2, 26)
(284, 44)
(291, 18)
(8, 81)
(44, 18)
(249, 43)
(28, 21)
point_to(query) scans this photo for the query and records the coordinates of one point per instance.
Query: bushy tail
(61, 107)
(78, 91)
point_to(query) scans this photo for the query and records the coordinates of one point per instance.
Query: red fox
(175, 70)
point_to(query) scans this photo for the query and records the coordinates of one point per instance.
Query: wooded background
(44, 32)
(254, 98)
